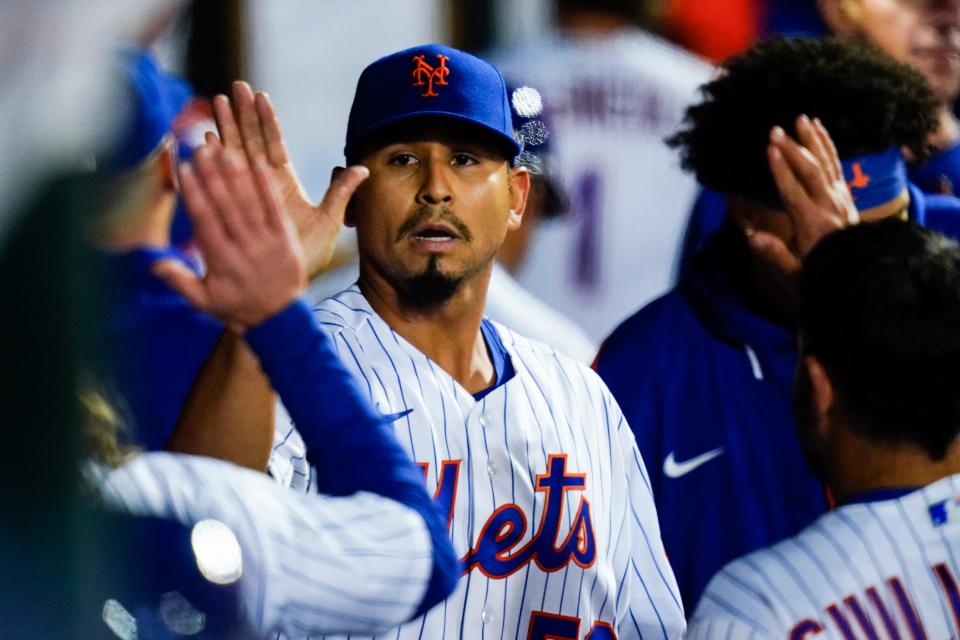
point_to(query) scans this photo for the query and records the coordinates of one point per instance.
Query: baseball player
(878, 418)
(704, 373)
(612, 92)
(373, 550)
(545, 495)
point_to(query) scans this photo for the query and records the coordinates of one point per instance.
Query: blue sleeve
(940, 174)
(942, 214)
(349, 443)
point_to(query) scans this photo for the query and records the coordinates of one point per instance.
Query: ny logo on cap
(424, 74)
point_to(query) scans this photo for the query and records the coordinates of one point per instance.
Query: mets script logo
(497, 553)
(426, 75)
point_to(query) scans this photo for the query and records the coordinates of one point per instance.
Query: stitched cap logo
(426, 75)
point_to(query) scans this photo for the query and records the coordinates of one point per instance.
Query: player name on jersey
(869, 570)
(864, 615)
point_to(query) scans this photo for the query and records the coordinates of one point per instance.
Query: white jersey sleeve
(312, 564)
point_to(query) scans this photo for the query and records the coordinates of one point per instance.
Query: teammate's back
(874, 569)
(878, 419)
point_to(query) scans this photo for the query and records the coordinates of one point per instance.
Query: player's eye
(463, 160)
(402, 159)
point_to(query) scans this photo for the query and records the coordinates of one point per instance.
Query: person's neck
(860, 466)
(148, 227)
(449, 334)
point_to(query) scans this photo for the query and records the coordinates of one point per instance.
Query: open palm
(248, 123)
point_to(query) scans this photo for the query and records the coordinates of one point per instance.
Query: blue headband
(875, 178)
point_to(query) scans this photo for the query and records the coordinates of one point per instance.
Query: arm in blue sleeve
(349, 443)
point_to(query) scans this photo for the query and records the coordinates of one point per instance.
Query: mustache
(426, 213)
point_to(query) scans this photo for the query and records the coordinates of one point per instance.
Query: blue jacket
(701, 378)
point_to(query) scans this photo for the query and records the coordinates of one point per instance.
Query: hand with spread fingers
(255, 263)
(815, 195)
(248, 124)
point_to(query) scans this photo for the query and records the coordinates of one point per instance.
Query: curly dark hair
(866, 100)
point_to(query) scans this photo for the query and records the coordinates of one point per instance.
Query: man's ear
(842, 17)
(822, 393)
(348, 217)
(519, 191)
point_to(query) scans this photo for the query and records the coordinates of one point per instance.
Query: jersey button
(486, 615)
(485, 420)
(491, 467)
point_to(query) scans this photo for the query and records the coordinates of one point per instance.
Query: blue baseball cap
(429, 80)
(155, 98)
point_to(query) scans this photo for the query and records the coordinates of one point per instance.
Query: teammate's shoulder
(540, 360)
(345, 311)
(527, 349)
(521, 344)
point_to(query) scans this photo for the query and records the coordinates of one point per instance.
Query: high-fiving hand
(255, 262)
(810, 181)
(248, 125)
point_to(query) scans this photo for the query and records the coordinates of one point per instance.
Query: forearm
(347, 440)
(229, 412)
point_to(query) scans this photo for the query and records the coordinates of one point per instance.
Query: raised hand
(255, 263)
(810, 181)
(248, 124)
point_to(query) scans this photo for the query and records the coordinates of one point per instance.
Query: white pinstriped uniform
(311, 563)
(553, 406)
(880, 570)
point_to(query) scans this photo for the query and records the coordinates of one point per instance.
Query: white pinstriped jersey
(548, 499)
(311, 563)
(609, 103)
(871, 570)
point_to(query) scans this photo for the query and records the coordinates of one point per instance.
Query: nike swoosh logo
(393, 417)
(674, 469)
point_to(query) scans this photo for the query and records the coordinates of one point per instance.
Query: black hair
(867, 101)
(880, 310)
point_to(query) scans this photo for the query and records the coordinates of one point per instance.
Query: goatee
(431, 288)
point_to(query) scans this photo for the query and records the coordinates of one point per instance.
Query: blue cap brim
(372, 130)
